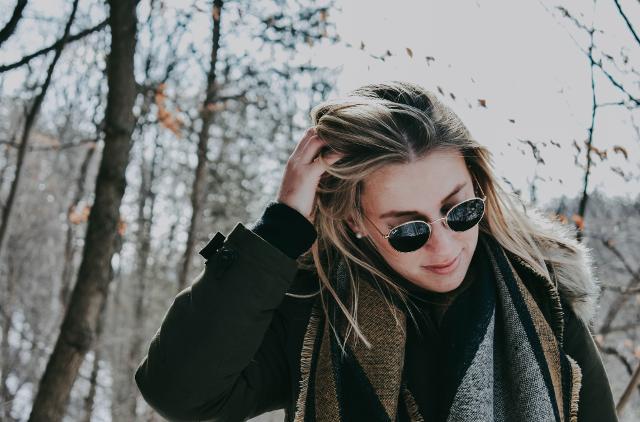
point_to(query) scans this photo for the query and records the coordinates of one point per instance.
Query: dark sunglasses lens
(466, 215)
(409, 237)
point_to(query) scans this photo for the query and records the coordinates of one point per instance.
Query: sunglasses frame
(429, 223)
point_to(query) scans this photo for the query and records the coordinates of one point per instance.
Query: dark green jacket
(228, 348)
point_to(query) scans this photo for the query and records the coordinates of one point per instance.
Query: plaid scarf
(503, 356)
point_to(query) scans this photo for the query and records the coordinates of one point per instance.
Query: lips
(446, 264)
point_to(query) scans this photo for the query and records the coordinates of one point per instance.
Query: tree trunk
(97, 356)
(145, 222)
(69, 250)
(206, 115)
(91, 289)
(5, 348)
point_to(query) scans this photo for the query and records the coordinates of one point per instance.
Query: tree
(81, 318)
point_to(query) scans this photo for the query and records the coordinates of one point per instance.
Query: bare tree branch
(626, 395)
(617, 84)
(54, 46)
(10, 27)
(30, 119)
(51, 147)
(633, 32)
(614, 352)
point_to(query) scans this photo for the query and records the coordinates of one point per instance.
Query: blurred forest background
(132, 131)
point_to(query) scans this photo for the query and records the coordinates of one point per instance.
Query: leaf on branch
(601, 153)
(559, 217)
(617, 170)
(621, 150)
(122, 227)
(79, 217)
(578, 220)
(575, 144)
(482, 102)
(409, 52)
(166, 118)
(217, 106)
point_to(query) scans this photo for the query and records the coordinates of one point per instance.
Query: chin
(441, 286)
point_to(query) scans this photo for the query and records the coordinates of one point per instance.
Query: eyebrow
(394, 213)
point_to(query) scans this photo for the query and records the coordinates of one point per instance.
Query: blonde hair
(396, 122)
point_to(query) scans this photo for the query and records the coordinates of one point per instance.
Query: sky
(519, 56)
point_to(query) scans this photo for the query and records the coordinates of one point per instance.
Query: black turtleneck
(285, 228)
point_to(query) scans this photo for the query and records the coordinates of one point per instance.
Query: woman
(393, 279)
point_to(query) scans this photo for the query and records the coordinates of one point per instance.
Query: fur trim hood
(574, 275)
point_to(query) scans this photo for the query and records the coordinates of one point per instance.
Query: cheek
(469, 242)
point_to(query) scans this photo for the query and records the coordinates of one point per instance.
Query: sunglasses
(412, 235)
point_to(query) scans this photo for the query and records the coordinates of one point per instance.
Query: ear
(354, 227)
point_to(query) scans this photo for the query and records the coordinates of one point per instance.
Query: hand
(303, 171)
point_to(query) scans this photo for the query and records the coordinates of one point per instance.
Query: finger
(312, 149)
(302, 144)
(327, 160)
(333, 157)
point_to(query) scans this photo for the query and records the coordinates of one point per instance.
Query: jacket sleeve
(219, 352)
(596, 399)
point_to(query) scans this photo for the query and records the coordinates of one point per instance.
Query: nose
(441, 238)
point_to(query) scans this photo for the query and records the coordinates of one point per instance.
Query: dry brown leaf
(560, 217)
(621, 150)
(578, 220)
(165, 117)
(122, 227)
(601, 153)
(79, 217)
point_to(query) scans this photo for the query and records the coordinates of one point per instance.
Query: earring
(359, 235)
